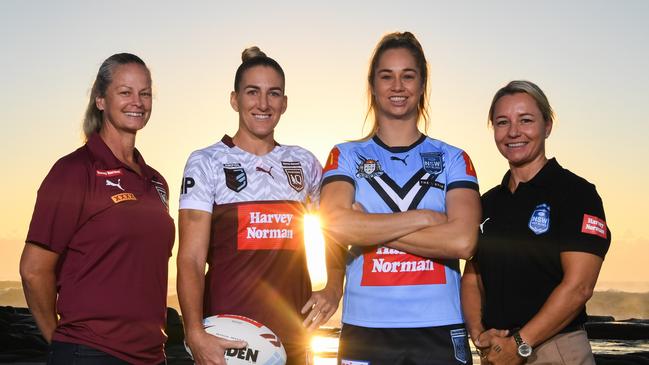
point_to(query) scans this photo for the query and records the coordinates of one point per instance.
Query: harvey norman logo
(271, 219)
(109, 173)
(390, 267)
(270, 226)
(593, 225)
(383, 265)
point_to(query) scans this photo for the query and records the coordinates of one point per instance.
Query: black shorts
(64, 353)
(404, 346)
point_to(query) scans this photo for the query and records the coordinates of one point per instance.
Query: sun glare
(325, 349)
(315, 251)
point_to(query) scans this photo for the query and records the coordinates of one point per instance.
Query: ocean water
(615, 347)
(326, 347)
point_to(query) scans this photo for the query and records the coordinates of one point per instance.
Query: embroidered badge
(460, 344)
(162, 193)
(118, 198)
(235, 176)
(294, 175)
(368, 168)
(433, 162)
(540, 219)
(593, 225)
(109, 173)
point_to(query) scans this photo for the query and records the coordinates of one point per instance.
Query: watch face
(525, 350)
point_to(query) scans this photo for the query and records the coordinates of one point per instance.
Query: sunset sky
(590, 57)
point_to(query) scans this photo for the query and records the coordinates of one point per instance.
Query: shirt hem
(414, 324)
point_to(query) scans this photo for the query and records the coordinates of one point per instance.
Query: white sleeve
(314, 182)
(198, 186)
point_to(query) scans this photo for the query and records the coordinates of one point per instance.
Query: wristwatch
(524, 348)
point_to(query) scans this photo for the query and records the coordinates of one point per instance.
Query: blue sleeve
(461, 172)
(338, 167)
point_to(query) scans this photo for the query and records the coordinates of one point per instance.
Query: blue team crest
(433, 162)
(460, 347)
(540, 219)
(368, 168)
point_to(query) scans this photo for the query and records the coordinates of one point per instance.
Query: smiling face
(520, 130)
(260, 101)
(127, 102)
(397, 86)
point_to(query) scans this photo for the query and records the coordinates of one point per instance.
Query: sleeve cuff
(197, 205)
(332, 178)
(464, 185)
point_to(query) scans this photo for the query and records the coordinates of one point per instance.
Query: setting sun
(315, 251)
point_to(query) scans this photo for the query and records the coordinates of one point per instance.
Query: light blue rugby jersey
(387, 288)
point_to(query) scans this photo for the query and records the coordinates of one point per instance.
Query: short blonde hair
(529, 88)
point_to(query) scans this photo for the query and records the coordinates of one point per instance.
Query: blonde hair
(93, 119)
(529, 88)
(395, 40)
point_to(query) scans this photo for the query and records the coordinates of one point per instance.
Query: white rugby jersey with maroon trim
(257, 262)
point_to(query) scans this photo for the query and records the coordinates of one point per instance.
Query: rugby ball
(264, 347)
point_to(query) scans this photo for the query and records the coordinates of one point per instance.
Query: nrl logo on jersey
(235, 176)
(368, 168)
(294, 174)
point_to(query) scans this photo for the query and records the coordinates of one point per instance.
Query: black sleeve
(582, 222)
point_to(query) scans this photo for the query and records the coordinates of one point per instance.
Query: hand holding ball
(264, 347)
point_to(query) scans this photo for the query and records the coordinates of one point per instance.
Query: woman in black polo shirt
(542, 244)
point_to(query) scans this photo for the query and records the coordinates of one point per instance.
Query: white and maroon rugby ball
(264, 347)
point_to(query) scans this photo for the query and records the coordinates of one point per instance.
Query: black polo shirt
(523, 234)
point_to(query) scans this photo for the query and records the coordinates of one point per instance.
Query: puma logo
(395, 158)
(259, 168)
(117, 184)
(482, 225)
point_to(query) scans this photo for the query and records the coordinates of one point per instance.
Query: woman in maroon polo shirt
(94, 267)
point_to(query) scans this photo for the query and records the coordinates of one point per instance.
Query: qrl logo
(187, 184)
(295, 178)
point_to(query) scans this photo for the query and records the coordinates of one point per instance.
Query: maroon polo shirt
(112, 230)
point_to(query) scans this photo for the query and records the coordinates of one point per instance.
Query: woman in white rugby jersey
(232, 195)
